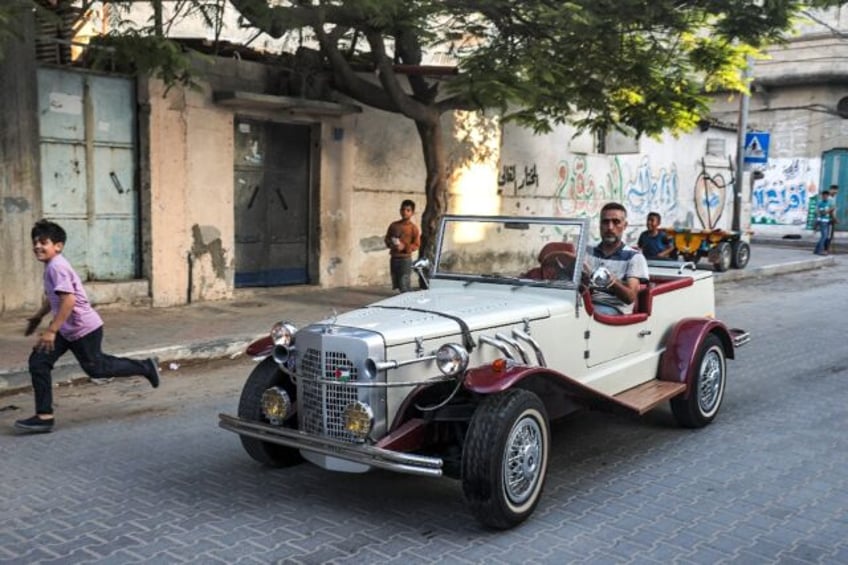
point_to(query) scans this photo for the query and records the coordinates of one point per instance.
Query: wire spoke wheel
(699, 406)
(523, 460)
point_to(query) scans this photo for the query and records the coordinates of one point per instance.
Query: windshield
(526, 251)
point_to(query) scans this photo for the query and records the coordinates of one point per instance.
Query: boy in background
(653, 242)
(403, 238)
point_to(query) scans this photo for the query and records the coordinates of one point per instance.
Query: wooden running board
(646, 396)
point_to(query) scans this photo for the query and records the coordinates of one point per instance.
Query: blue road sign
(756, 147)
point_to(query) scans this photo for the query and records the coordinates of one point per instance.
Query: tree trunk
(435, 188)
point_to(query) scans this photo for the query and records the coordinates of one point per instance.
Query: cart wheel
(721, 256)
(741, 254)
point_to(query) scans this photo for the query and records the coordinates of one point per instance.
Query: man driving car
(627, 266)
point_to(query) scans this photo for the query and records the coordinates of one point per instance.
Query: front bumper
(365, 454)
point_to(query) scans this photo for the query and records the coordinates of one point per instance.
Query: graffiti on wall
(578, 192)
(648, 191)
(783, 195)
(581, 191)
(710, 197)
(509, 177)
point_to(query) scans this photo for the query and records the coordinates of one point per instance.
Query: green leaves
(647, 65)
(156, 56)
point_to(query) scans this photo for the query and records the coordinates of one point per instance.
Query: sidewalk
(213, 330)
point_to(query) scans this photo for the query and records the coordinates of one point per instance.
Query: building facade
(178, 195)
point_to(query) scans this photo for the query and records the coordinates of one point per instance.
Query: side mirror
(420, 266)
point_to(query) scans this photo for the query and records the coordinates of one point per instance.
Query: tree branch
(408, 106)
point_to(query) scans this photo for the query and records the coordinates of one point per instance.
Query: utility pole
(741, 130)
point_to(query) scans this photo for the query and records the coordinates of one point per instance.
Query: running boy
(75, 326)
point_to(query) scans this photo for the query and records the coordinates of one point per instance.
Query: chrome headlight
(358, 420)
(452, 359)
(282, 333)
(277, 405)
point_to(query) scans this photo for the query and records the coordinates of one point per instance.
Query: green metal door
(87, 132)
(835, 171)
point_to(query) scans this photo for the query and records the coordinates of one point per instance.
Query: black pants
(93, 361)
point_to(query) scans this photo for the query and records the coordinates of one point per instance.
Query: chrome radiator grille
(322, 405)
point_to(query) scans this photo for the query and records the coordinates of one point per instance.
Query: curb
(68, 372)
(769, 270)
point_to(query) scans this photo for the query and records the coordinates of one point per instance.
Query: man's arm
(625, 290)
(628, 289)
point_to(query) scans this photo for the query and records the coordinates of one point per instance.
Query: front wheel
(505, 458)
(264, 376)
(700, 405)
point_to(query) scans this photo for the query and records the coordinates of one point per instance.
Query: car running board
(646, 396)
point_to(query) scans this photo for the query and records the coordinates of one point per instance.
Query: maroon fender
(408, 436)
(683, 344)
(261, 347)
(486, 380)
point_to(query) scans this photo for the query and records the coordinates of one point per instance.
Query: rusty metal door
(272, 208)
(87, 131)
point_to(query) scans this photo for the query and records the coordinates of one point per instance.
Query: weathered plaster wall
(191, 221)
(672, 176)
(169, 222)
(339, 221)
(210, 179)
(513, 171)
(388, 167)
(20, 192)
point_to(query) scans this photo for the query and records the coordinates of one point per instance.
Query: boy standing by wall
(403, 238)
(75, 326)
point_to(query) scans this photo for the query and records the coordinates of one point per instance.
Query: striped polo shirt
(625, 262)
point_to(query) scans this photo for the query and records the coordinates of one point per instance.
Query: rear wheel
(706, 386)
(741, 254)
(505, 458)
(721, 256)
(264, 376)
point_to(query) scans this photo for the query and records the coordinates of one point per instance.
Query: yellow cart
(724, 249)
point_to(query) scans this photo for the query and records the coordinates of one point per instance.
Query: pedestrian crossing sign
(756, 147)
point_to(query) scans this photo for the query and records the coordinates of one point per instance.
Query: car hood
(435, 313)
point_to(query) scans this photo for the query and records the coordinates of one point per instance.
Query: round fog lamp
(282, 333)
(358, 419)
(276, 405)
(451, 359)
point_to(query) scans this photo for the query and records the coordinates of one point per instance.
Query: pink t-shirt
(59, 276)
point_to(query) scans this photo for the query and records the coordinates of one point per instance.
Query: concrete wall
(20, 193)
(189, 164)
(509, 170)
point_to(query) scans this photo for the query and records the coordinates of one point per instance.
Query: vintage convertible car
(462, 379)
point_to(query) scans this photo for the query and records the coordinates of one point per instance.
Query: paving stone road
(134, 475)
